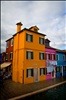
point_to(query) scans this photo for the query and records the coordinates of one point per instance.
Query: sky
(48, 16)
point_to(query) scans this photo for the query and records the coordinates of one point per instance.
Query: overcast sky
(49, 16)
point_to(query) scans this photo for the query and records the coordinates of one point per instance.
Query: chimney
(19, 24)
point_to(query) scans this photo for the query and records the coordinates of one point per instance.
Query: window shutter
(43, 41)
(26, 37)
(31, 36)
(26, 54)
(40, 71)
(31, 55)
(27, 73)
(39, 40)
(31, 72)
(43, 55)
(46, 70)
(39, 55)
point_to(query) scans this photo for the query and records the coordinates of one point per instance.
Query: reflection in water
(57, 93)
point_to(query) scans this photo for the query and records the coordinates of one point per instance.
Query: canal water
(56, 93)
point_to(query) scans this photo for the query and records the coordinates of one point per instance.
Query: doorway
(35, 74)
(54, 72)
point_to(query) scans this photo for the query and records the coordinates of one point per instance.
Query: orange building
(29, 63)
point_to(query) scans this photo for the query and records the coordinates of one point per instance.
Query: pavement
(14, 91)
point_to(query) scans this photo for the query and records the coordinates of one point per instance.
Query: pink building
(50, 61)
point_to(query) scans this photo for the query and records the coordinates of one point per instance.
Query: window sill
(10, 59)
(29, 76)
(42, 75)
(11, 45)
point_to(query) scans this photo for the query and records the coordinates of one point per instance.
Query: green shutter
(26, 54)
(43, 55)
(39, 40)
(43, 41)
(31, 55)
(39, 55)
(31, 36)
(40, 71)
(31, 72)
(27, 73)
(26, 37)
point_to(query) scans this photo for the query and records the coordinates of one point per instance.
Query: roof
(34, 27)
(57, 50)
(47, 40)
(9, 39)
(61, 51)
(50, 47)
(30, 31)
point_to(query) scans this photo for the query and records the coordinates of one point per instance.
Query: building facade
(9, 50)
(61, 63)
(29, 64)
(7, 57)
(50, 62)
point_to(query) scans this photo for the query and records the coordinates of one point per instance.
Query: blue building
(61, 63)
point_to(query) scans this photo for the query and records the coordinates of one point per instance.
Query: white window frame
(11, 55)
(12, 42)
(29, 39)
(41, 68)
(52, 56)
(7, 44)
(47, 56)
(41, 55)
(29, 72)
(6, 54)
(41, 42)
(29, 54)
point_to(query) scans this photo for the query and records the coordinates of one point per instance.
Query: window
(29, 72)
(35, 29)
(41, 56)
(64, 57)
(29, 37)
(42, 71)
(46, 56)
(11, 55)
(57, 57)
(41, 40)
(53, 56)
(57, 69)
(64, 68)
(11, 42)
(7, 44)
(49, 56)
(6, 56)
(29, 55)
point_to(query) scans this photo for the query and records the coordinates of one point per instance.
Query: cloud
(49, 16)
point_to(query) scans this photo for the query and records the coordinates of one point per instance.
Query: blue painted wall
(61, 63)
